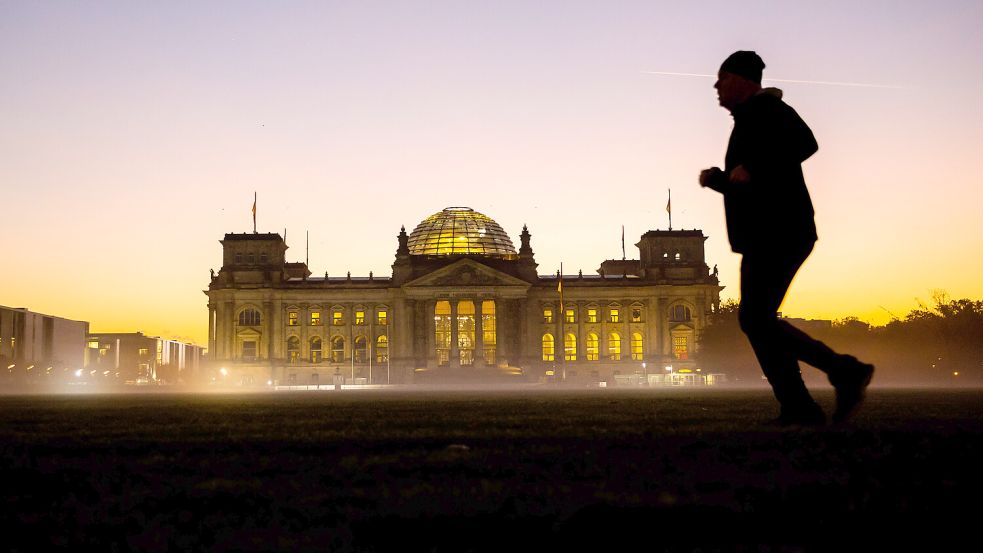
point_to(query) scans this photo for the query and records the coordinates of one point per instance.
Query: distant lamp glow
(955, 373)
(223, 371)
(269, 382)
(11, 366)
(78, 373)
(669, 368)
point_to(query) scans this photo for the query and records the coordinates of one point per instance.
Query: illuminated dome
(460, 230)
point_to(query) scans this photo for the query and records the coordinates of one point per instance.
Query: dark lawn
(678, 470)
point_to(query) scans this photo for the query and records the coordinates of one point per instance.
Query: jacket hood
(772, 91)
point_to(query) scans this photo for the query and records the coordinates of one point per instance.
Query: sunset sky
(134, 135)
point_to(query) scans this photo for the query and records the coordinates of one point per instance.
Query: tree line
(937, 345)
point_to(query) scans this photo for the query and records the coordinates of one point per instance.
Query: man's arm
(715, 179)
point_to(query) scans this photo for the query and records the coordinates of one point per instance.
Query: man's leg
(765, 279)
(779, 345)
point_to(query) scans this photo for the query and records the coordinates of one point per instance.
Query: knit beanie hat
(745, 63)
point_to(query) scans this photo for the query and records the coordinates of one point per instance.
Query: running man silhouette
(770, 221)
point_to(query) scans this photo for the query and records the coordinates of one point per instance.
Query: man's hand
(739, 175)
(708, 176)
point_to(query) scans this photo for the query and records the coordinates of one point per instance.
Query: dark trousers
(779, 346)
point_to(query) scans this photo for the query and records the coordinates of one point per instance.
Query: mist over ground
(484, 470)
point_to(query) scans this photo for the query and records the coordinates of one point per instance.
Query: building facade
(36, 347)
(132, 358)
(461, 303)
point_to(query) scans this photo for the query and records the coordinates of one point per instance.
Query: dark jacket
(773, 210)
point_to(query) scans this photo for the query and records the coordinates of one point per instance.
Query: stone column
(228, 336)
(211, 330)
(266, 338)
(479, 339)
(662, 322)
(522, 357)
(455, 356)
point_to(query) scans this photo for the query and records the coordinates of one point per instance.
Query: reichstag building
(461, 303)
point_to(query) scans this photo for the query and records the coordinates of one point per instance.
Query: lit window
(143, 351)
(360, 318)
(293, 349)
(570, 347)
(548, 316)
(337, 349)
(382, 317)
(548, 351)
(293, 318)
(614, 315)
(680, 347)
(337, 317)
(93, 344)
(636, 314)
(677, 256)
(466, 332)
(442, 330)
(382, 349)
(592, 315)
(614, 346)
(316, 350)
(249, 317)
(636, 346)
(592, 347)
(570, 315)
(489, 337)
(315, 318)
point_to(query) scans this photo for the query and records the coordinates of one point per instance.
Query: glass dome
(460, 230)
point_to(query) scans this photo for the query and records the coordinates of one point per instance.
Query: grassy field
(676, 470)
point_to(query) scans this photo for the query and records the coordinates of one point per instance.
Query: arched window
(316, 350)
(465, 332)
(636, 346)
(249, 317)
(442, 330)
(592, 346)
(548, 350)
(570, 347)
(337, 349)
(614, 346)
(293, 349)
(680, 313)
(382, 349)
(489, 333)
(360, 344)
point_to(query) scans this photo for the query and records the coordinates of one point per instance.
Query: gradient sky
(135, 133)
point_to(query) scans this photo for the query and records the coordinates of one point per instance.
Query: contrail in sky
(832, 83)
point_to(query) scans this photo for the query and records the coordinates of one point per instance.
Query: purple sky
(135, 134)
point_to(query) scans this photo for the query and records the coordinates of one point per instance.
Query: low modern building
(132, 358)
(35, 346)
(461, 302)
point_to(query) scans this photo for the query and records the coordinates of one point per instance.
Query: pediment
(465, 273)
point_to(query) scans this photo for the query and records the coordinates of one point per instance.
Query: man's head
(739, 78)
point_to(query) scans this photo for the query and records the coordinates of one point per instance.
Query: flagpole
(562, 338)
(254, 211)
